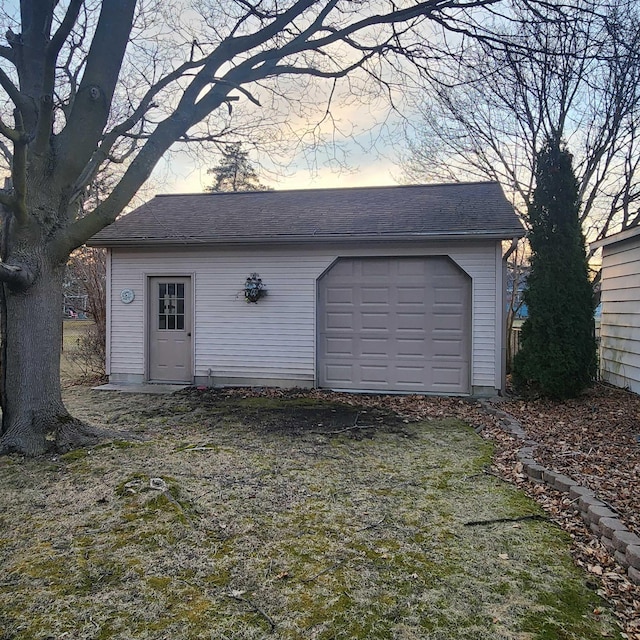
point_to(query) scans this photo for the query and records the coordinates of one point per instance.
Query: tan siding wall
(126, 330)
(480, 263)
(274, 339)
(620, 322)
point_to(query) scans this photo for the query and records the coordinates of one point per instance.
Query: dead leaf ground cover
(281, 515)
(595, 439)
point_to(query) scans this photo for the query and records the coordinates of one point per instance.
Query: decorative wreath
(254, 288)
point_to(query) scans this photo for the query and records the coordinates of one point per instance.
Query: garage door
(395, 324)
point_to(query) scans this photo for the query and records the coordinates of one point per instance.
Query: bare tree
(87, 267)
(93, 82)
(489, 112)
(576, 80)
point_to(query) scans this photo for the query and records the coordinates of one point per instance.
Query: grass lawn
(230, 516)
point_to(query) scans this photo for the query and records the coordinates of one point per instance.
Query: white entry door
(170, 326)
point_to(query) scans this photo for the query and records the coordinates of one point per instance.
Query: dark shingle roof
(402, 212)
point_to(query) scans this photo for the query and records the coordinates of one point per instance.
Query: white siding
(620, 322)
(275, 339)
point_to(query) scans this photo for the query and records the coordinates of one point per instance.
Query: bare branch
(91, 106)
(8, 132)
(240, 88)
(7, 54)
(6, 153)
(570, 78)
(45, 114)
(65, 28)
(12, 91)
(17, 277)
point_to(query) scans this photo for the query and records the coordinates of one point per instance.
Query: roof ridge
(320, 189)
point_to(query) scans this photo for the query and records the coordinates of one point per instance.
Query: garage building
(373, 289)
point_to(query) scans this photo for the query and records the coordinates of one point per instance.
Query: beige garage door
(395, 324)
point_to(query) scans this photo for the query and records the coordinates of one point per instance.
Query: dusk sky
(369, 139)
(186, 176)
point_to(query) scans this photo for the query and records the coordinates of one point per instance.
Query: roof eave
(621, 236)
(499, 234)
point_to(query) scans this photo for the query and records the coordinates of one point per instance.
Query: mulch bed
(595, 439)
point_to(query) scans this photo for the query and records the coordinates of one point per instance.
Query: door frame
(148, 302)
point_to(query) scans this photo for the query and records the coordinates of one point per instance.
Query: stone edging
(622, 544)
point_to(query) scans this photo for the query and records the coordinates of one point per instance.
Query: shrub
(89, 354)
(557, 357)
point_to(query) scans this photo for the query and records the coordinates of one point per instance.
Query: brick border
(603, 522)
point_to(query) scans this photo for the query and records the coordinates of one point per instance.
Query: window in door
(171, 306)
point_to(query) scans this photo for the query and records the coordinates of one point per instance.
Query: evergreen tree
(235, 172)
(558, 349)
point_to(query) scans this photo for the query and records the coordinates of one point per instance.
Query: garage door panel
(340, 321)
(409, 268)
(448, 321)
(370, 268)
(375, 295)
(374, 346)
(442, 295)
(336, 346)
(443, 348)
(447, 310)
(410, 375)
(447, 377)
(410, 321)
(395, 324)
(370, 320)
(340, 295)
(371, 373)
(411, 295)
(411, 348)
(339, 373)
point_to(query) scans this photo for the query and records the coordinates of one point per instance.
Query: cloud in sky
(358, 145)
(183, 175)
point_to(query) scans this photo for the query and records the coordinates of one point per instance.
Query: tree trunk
(35, 419)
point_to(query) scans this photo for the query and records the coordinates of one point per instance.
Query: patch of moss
(74, 455)
(520, 504)
(160, 583)
(442, 481)
(149, 539)
(564, 615)
(78, 575)
(221, 578)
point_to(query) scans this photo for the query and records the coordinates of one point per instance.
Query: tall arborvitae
(557, 357)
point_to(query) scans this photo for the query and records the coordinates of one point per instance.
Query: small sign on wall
(127, 296)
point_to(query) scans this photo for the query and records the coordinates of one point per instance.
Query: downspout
(503, 315)
(512, 248)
